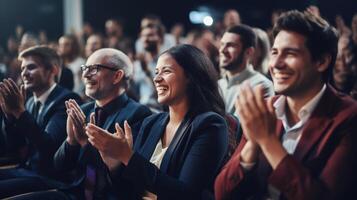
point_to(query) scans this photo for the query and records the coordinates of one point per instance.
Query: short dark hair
(203, 93)
(48, 56)
(321, 37)
(246, 33)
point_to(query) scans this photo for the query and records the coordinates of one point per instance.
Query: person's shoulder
(260, 78)
(208, 118)
(154, 118)
(86, 107)
(137, 107)
(346, 103)
(63, 94)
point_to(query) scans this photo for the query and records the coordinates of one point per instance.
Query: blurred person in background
(262, 51)
(178, 31)
(144, 69)
(168, 40)
(94, 42)
(70, 51)
(114, 29)
(235, 55)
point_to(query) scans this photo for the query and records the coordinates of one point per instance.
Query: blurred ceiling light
(201, 17)
(208, 20)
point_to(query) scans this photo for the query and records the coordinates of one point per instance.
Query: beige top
(155, 159)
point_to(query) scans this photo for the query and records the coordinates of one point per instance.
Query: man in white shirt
(235, 54)
(301, 144)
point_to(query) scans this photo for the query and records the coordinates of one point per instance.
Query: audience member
(144, 69)
(300, 144)
(236, 51)
(177, 153)
(70, 52)
(36, 128)
(105, 76)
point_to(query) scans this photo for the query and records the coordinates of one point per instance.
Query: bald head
(113, 58)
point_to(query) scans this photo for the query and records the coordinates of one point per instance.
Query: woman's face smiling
(170, 81)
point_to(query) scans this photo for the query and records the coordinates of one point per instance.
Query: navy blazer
(74, 157)
(47, 135)
(189, 165)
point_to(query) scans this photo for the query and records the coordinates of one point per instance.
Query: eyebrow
(294, 49)
(164, 67)
(230, 43)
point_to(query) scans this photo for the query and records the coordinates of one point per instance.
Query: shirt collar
(305, 111)
(45, 95)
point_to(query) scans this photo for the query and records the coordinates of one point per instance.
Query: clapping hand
(76, 122)
(12, 98)
(114, 148)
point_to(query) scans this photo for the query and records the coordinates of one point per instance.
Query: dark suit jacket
(323, 165)
(47, 135)
(74, 157)
(189, 165)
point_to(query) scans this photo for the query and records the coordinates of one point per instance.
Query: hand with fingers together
(114, 148)
(12, 98)
(257, 119)
(257, 116)
(76, 122)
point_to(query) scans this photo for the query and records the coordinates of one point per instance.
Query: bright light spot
(195, 17)
(208, 20)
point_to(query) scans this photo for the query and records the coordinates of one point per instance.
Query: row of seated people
(298, 145)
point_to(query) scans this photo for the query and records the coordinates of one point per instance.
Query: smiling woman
(177, 154)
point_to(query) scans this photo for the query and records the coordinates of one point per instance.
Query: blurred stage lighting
(199, 17)
(208, 21)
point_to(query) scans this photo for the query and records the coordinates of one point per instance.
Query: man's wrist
(17, 113)
(71, 141)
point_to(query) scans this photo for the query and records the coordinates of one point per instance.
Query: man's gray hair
(118, 60)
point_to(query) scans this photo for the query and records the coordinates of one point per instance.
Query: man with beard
(300, 144)
(144, 69)
(235, 53)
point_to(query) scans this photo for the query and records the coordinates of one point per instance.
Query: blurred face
(99, 86)
(150, 38)
(94, 43)
(341, 74)
(35, 76)
(112, 28)
(231, 51)
(291, 65)
(146, 21)
(231, 18)
(64, 46)
(170, 81)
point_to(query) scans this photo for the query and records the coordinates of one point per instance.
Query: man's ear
(56, 71)
(118, 76)
(323, 63)
(249, 52)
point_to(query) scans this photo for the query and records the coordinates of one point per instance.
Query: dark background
(47, 15)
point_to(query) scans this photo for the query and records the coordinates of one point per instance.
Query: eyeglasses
(93, 69)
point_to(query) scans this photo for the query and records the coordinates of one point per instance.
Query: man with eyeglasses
(105, 75)
(35, 128)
